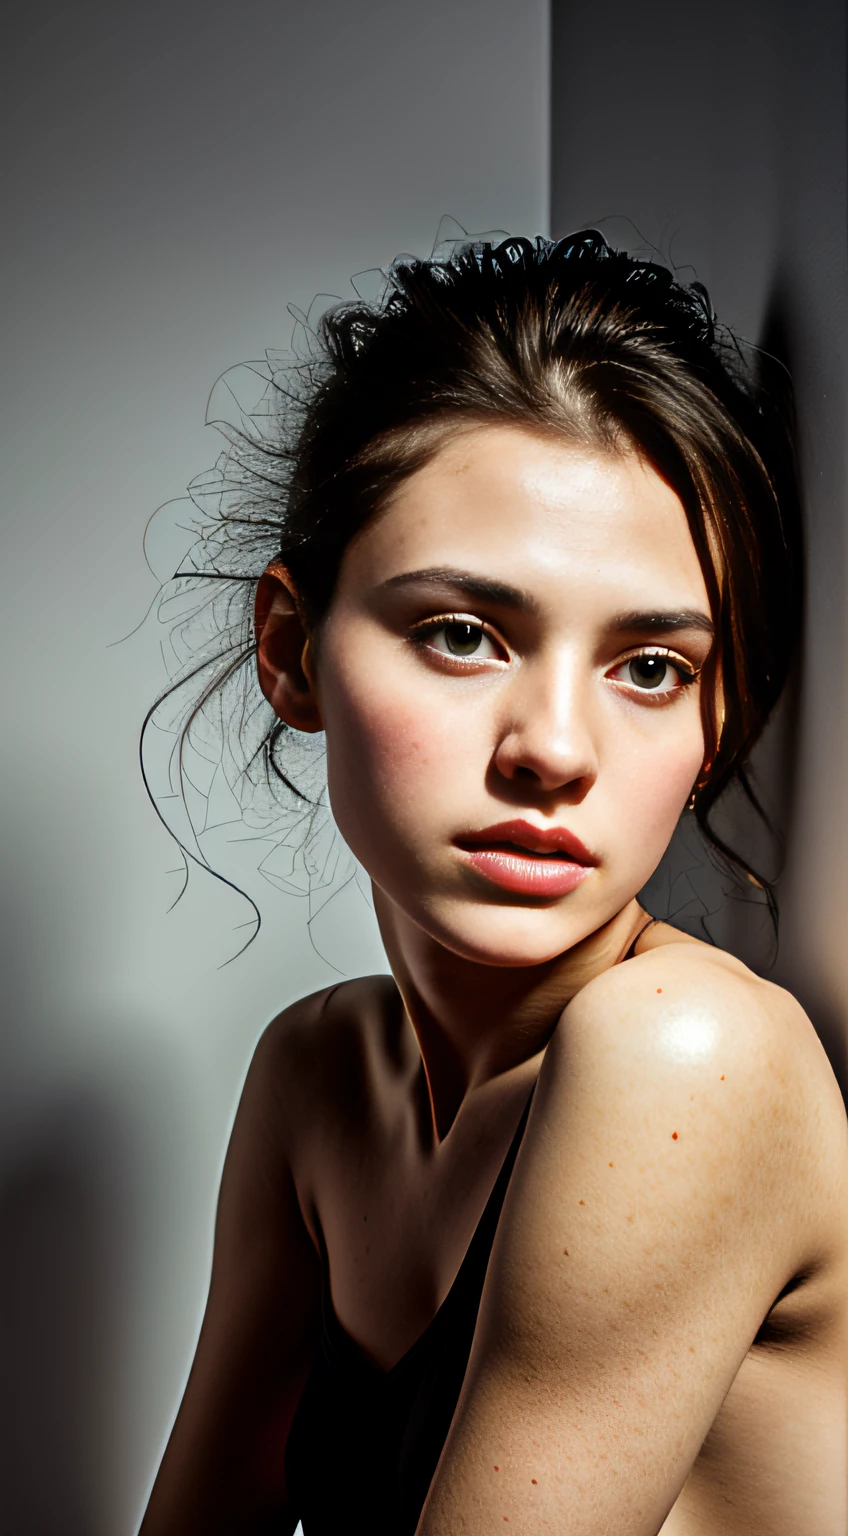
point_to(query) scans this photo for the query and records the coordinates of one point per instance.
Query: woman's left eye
(653, 672)
(459, 638)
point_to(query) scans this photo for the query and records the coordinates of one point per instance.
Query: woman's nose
(547, 741)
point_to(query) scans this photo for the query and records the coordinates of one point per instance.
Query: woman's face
(507, 678)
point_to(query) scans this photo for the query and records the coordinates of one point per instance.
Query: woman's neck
(476, 1022)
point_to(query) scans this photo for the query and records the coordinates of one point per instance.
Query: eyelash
(421, 633)
(686, 676)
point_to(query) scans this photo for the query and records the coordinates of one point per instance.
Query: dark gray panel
(720, 132)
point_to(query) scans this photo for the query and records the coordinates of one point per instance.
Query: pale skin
(662, 1336)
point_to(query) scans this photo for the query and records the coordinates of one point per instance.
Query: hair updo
(571, 339)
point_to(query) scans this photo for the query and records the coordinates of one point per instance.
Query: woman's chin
(512, 936)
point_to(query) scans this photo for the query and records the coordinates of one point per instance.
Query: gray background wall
(176, 175)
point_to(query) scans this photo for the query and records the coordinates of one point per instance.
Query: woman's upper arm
(650, 1223)
(223, 1467)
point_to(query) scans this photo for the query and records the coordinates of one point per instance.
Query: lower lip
(524, 873)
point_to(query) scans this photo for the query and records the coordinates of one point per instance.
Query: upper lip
(523, 834)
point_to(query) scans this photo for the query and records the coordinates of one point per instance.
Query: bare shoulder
(692, 1052)
(683, 1006)
(318, 1055)
(340, 1016)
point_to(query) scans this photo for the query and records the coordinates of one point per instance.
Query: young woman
(549, 1227)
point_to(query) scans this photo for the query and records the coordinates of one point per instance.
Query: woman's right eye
(460, 638)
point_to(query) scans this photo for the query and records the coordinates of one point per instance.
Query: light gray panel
(175, 176)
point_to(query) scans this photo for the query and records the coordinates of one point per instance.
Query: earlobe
(283, 661)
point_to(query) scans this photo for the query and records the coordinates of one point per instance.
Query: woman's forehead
(535, 510)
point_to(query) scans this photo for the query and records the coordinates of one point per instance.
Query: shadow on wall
(694, 892)
(64, 1250)
(812, 731)
(688, 889)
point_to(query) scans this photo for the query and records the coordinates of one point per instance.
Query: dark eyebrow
(488, 590)
(662, 623)
(482, 587)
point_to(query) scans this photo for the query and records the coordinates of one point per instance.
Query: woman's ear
(282, 646)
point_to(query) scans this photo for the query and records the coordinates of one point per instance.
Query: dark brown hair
(568, 338)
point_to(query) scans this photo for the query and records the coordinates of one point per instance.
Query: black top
(365, 1442)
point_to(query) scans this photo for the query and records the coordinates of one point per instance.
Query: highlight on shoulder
(688, 1000)
(681, 1027)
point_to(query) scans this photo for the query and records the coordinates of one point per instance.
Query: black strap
(632, 950)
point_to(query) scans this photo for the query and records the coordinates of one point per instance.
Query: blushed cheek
(389, 771)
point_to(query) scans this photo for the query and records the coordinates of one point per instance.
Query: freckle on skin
(721, 1079)
(659, 989)
(565, 1251)
(581, 1202)
(612, 1165)
(533, 1480)
(674, 1135)
(497, 1469)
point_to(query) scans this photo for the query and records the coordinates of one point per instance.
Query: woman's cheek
(391, 766)
(654, 790)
